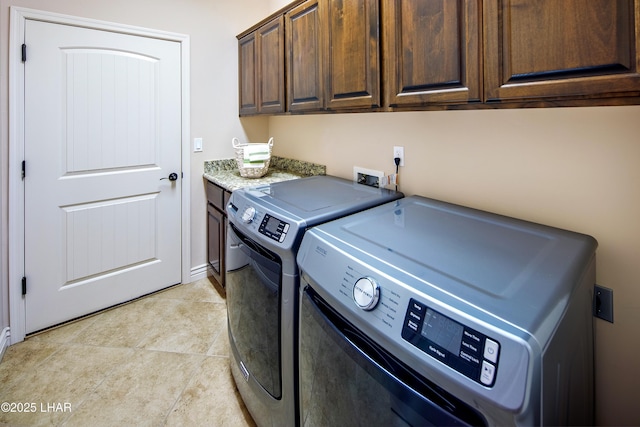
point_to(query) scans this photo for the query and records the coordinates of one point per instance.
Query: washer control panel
(273, 228)
(464, 349)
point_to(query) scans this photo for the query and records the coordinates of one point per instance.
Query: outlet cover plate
(399, 152)
(603, 303)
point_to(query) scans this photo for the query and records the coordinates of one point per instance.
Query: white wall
(277, 4)
(212, 27)
(574, 168)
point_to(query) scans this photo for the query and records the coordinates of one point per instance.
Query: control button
(412, 325)
(416, 306)
(366, 293)
(471, 335)
(487, 374)
(469, 357)
(248, 214)
(491, 349)
(415, 316)
(416, 309)
(415, 313)
(470, 347)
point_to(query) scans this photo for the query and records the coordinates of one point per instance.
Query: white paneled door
(102, 130)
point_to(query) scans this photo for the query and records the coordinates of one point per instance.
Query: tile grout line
(187, 385)
(98, 384)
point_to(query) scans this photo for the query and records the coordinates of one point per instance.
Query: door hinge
(24, 286)
(24, 52)
(24, 169)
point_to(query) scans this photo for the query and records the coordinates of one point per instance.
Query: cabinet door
(248, 73)
(216, 242)
(305, 82)
(270, 39)
(352, 68)
(536, 49)
(432, 52)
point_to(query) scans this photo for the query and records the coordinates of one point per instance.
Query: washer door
(253, 310)
(347, 379)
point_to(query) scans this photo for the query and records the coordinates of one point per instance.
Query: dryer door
(347, 379)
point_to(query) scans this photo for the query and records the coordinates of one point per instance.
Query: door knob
(172, 177)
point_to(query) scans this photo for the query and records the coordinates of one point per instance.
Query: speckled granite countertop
(225, 172)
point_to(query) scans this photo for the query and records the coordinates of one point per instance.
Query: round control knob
(366, 293)
(248, 214)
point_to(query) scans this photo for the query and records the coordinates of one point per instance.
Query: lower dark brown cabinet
(217, 199)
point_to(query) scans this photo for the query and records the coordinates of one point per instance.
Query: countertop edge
(225, 174)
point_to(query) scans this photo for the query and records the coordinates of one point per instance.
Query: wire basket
(252, 158)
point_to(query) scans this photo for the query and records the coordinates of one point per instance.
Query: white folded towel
(255, 155)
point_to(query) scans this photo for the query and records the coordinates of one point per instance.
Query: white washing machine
(420, 312)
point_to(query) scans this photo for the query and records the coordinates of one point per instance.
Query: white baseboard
(199, 272)
(5, 335)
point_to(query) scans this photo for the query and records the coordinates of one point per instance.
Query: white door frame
(19, 16)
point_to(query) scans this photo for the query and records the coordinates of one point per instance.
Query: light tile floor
(158, 361)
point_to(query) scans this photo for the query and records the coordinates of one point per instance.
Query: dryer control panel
(464, 349)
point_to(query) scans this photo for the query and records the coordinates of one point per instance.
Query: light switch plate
(197, 145)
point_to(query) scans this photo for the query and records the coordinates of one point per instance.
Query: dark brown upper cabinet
(351, 53)
(261, 69)
(247, 74)
(381, 55)
(432, 52)
(570, 49)
(305, 79)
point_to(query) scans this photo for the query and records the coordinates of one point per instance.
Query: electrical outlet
(399, 152)
(369, 177)
(603, 303)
